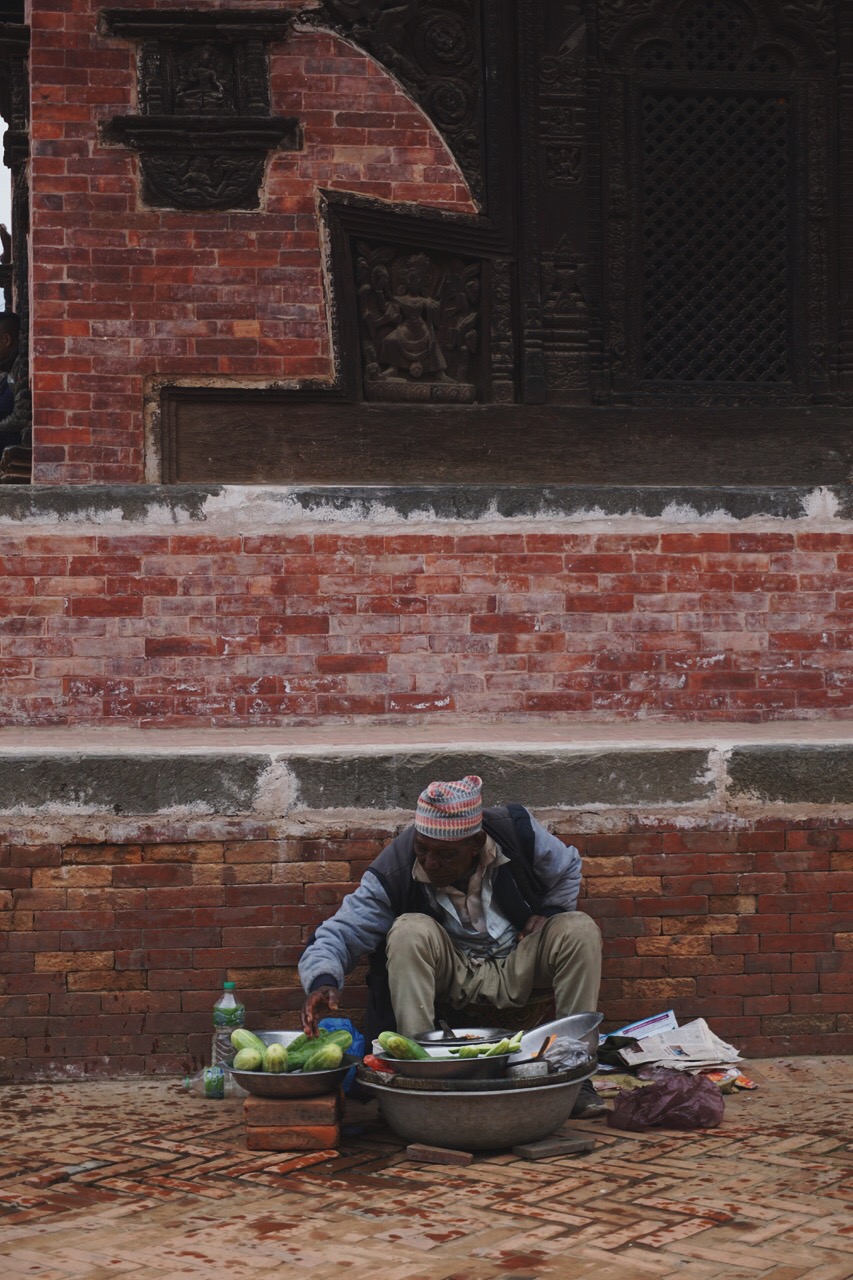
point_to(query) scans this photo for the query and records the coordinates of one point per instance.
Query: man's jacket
(541, 877)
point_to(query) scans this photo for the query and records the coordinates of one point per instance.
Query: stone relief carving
(419, 321)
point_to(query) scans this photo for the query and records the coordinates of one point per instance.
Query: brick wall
(276, 628)
(122, 294)
(112, 955)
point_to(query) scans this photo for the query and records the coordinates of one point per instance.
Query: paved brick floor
(140, 1181)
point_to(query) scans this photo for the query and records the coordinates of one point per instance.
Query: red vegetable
(376, 1064)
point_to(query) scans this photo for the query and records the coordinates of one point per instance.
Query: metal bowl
(448, 1068)
(578, 1026)
(462, 1035)
(299, 1084)
(478, 1121)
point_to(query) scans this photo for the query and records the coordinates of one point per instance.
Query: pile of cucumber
(404, 1049)
(323, 1053)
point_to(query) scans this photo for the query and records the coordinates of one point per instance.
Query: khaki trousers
(424, 963)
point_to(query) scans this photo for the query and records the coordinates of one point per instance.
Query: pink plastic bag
(675, 1100)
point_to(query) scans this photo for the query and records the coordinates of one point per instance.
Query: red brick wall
(112, 955)
(122, 294)
(277, 628)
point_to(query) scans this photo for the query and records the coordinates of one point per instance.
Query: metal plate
(505, 1083)
(447, 1068)
(463, 1035)
(298, 1084)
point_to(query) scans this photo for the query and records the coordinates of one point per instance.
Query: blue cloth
(357, 1047)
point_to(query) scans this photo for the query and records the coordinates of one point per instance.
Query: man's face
(8, 344)
(445, 861)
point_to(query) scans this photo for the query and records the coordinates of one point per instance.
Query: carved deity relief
(202, 81)
(419, 322)
(205, 128)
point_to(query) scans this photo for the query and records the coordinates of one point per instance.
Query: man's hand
(323, 997)
(533, 925)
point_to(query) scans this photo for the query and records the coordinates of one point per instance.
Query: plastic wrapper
(565, 1053)
(674, 1100)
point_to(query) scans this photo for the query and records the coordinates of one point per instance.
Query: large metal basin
(298, 1084)
(478, 1121)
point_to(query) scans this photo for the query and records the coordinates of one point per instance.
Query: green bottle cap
(229, 986)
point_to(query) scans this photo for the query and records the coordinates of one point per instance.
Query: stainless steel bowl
(478, 1121)
(448, 1068)
(578, 1026)
(299, 1084)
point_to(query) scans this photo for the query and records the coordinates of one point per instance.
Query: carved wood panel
(204, 130)
(719, 220)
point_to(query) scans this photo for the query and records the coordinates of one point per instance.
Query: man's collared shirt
(475, 925)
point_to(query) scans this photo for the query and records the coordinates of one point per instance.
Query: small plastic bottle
(228, 1015)
(210, 1082)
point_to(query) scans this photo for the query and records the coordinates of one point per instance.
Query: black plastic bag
(675, 1100)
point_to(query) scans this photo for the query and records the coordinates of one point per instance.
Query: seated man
(467, 904)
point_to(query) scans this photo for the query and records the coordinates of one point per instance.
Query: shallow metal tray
(296, 1084)
(462, 1035)
(448, 1068)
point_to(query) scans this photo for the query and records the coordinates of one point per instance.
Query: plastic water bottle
(211, 1082)
(228, 1015)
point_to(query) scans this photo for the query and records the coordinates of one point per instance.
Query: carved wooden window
(717, 220)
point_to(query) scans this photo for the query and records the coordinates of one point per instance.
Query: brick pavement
(135, 1179)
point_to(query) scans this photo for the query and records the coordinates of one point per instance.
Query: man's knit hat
(451, 810)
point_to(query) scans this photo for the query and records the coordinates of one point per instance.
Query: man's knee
(413, 934)
(575, 930)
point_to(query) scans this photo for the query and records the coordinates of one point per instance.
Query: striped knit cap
(450, 810)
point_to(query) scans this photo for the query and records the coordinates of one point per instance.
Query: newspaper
(689, 1048)
(653, 1026)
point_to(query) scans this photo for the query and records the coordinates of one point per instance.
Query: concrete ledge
(169, 505)
(704, 771)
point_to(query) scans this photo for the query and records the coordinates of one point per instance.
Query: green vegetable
(326, 1058)
(300, 1049)
(495, 1050)
(275, 1058)
(401, 1047)
(248, 1060)
(469, 1051)
(243, 1039)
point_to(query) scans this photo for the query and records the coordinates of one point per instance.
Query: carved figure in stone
(411, 348)
(199, 89)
